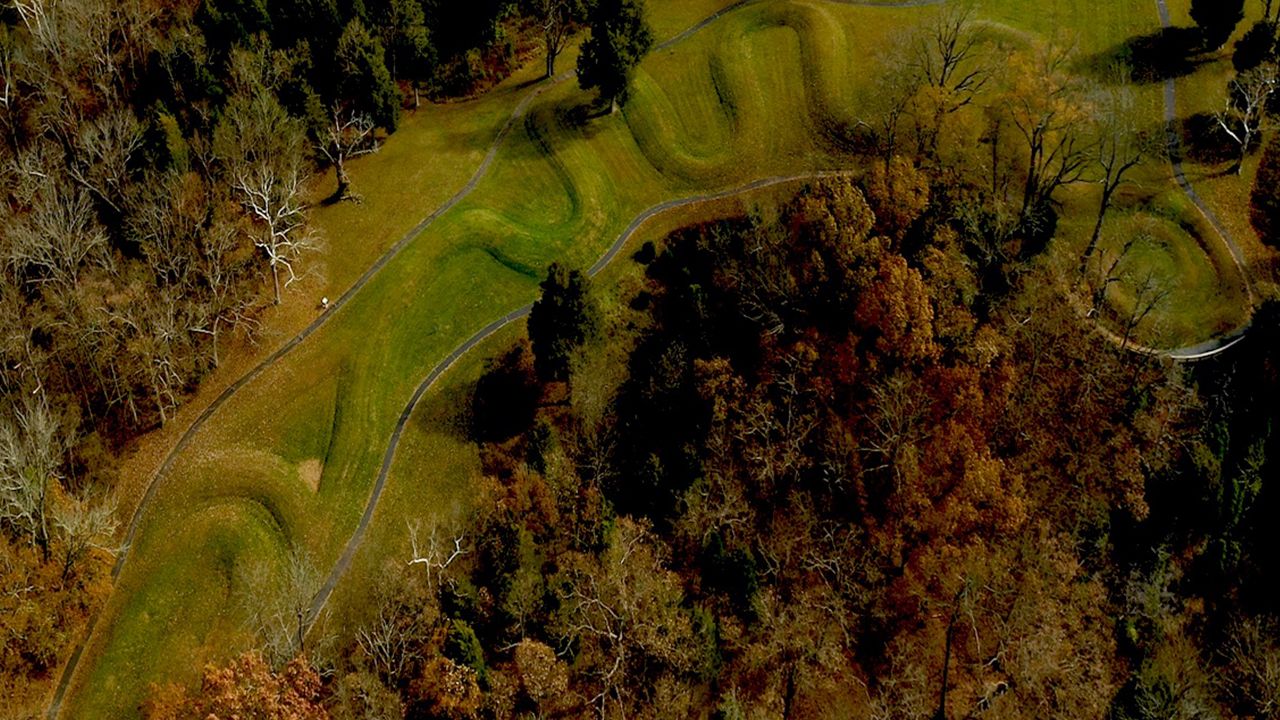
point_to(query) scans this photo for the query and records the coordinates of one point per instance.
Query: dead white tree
(435, 553)
(38, 17)
(32, 446)
(348, 135)
(1245, 114)
(274, 199)
(264, 150)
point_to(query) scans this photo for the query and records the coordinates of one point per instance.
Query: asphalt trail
(1203, 350)
(353, 543)
(388, 458)
(123, 554)
(1219, 345)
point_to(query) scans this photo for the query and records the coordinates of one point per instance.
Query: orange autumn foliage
(244, 688)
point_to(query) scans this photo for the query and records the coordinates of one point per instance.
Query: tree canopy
(559, 322)
(620, 37)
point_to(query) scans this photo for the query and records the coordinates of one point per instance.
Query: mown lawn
(757, 93)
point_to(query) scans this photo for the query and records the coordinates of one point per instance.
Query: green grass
(1174, 246)
(761, 92)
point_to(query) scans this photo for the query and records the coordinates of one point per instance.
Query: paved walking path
(1218, 345)
(1202, 350)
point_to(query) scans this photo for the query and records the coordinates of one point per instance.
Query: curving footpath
(382, 261)
(1219, 345)
(68, 671)
(1200, 351)
(353, 544)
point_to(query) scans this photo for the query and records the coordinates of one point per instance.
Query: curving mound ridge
(761, 91)
(768, 89)
(1164, 247)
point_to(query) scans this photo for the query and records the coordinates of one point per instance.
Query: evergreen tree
(560, 322)
(620, 37)
(364, 84)
(403, 27)
(1217, 19)
(226, 23)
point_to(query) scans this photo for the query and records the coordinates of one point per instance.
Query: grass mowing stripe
(370, 398)
(122, 555)
(353, 543)
(1214, 346)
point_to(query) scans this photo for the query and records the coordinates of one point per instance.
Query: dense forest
(821, 481)
(850, 455)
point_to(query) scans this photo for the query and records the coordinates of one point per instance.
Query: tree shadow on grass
(1203, 140)
(1154, 57)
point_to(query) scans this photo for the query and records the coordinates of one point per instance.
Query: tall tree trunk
(42, 532)
(941, 713)
(344, 180)
(1107, 192)
(214, 335)
(275, 280)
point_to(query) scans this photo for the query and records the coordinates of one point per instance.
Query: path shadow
(1154, 57)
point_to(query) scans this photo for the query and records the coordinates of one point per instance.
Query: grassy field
(754, 94)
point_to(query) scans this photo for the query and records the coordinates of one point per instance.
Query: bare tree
(623, 612)
(557, 18)
(1045, 104)
(435, 553)
(1148, 296)
(1119, 147)
(1245, 115)
(1108, 273)
(897, 81)
(32, 446)
(155, 333)
(348, 135)
(228, 300)
(264, 149)
(278, 600)
(1252, 666)
(58, 238)
(274, 199)
(393, 639)
(948, 60)
(84, 524)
